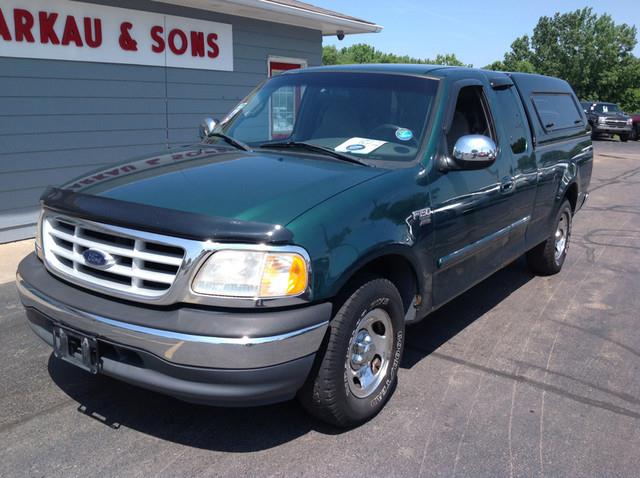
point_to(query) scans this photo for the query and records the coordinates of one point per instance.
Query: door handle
(507, 185)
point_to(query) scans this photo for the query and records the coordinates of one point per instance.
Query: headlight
(252, 274)
(630, 122)
(601, 119)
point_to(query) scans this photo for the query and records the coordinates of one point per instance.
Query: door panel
(471, 228)
(471, 209)
(517, 146)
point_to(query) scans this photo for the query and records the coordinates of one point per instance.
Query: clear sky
(478, 32)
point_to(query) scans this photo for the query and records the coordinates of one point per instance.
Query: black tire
(594, 137)
(545, 259)
(624, 138)
(327, 394)
(634, 133)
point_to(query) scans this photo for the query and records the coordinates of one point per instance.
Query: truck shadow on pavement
(242, 430)
(428, 335)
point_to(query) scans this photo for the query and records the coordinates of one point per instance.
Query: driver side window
(471, 116)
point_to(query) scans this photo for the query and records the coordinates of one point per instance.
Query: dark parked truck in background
(608, 119)
(285, 254)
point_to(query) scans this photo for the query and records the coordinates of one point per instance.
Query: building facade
(87, 84)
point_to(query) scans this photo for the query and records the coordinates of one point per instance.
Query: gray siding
(60, 119)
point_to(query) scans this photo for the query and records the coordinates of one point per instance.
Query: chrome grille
(615, 122)
(140, 267)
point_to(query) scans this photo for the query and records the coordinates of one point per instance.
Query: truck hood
(266, 187)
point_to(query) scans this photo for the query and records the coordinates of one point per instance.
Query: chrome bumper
(609, 128)
(174, 347)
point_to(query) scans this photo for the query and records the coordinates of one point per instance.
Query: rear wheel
(547, 258)
(357, 373)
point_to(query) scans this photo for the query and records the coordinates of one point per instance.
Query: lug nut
(357, 359)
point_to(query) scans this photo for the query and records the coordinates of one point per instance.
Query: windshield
(606, 108)
(370, 116)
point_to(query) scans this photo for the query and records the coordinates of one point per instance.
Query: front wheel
(624, 138)
(548, 257)
(355, 377)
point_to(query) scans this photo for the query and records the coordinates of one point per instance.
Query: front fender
(344, 274)
(361, 224)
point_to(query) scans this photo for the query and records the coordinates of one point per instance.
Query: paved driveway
(521, 376)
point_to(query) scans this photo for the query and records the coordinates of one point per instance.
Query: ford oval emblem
(98, 259)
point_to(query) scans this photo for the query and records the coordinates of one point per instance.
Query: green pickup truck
(285, 254)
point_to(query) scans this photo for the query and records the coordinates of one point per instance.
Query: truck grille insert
(134, 266)
(615, 122)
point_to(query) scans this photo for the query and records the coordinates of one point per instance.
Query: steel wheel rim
(562, 236)
(369, 353)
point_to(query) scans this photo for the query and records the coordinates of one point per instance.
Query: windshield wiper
(228, 139)
(316, 149)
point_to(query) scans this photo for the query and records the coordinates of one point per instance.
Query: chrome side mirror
(207, 126)
(475, 151)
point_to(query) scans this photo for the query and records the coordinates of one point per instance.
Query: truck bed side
(562, 148)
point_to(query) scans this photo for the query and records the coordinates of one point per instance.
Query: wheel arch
(396, 263)
(569, 187)
(571, 194)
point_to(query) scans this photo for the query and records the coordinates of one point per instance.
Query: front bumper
(600, 128)
(199, 355)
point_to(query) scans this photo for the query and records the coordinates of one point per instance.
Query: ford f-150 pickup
(285, 253)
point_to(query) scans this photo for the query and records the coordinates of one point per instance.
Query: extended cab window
(556, 111)
(515, 123)
(471, 116)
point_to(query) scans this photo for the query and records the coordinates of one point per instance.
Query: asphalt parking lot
(521, 376)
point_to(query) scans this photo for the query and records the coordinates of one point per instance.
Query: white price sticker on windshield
(359, 145)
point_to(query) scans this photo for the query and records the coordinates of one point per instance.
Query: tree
(520, 57)
(631, 100)
(591, 52)
(363, 53)
(329, 55)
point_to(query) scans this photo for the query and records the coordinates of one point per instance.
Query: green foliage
(588, 50)
(363, 53)
(631, 100)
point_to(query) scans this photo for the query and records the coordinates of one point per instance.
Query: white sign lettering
(65, 30)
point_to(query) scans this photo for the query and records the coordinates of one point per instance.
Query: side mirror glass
(475, 151)
(207, 126)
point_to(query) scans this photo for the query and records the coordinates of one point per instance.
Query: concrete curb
(10, 255)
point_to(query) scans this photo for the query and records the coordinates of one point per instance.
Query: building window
(286, 101)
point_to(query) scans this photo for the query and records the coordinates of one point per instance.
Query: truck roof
(527, 84)
(541, 81)
(403, 68)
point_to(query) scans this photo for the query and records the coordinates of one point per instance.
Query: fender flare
(569, 180)
(423, 282)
